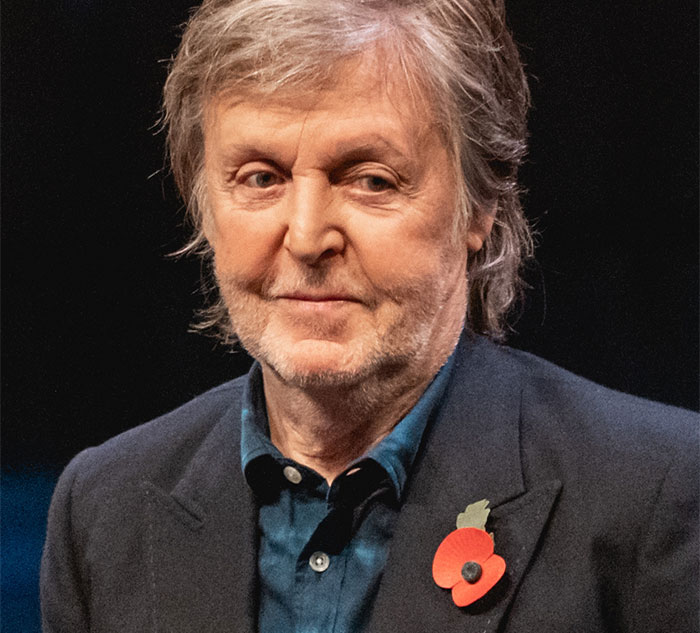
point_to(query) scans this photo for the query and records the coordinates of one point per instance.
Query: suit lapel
(202, 541)
(471, 451)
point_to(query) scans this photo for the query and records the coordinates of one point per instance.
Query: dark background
(95, 316)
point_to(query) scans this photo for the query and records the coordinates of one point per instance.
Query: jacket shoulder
(606, 447)
(546, 382)
(573, 427)
(158, 450)
(551, 392)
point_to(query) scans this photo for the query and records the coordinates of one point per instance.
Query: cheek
(408, 253)
(244, 243)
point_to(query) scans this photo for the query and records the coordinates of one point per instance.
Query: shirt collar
(262, 462)
(397, 451)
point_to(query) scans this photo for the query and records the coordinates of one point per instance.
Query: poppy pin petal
(465, 561)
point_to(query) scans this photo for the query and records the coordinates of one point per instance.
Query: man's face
(331, 216)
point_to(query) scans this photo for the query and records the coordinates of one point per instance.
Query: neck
(327, 428)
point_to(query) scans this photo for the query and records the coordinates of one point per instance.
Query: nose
(313, 232)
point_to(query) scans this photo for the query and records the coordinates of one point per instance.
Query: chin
(318, 363)
(317, 379)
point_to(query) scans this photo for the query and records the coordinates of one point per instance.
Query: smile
(326, 304)
(318, 298)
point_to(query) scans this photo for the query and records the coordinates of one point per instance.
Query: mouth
(318, 298)
(315, 306)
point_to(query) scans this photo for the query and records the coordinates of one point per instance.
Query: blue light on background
(25, 503)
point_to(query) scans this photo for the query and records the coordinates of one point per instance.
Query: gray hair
(457, 54)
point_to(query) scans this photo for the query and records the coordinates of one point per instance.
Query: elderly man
(350, 170)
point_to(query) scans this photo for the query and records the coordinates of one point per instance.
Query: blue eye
(262, 179)
(376, 184)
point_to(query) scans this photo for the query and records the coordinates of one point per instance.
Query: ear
(479, 229)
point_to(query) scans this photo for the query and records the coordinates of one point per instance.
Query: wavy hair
(456, 54)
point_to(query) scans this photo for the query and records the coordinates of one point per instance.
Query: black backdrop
(94, 316)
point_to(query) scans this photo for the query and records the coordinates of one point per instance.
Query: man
(350, 169)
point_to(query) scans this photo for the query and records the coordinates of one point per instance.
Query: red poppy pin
(464, 561)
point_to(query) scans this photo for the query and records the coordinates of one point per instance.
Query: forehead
(370, 96)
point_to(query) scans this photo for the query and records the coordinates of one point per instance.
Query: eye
(376, 184)
(262, 180)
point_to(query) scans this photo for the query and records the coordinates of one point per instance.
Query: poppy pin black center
(471, 571)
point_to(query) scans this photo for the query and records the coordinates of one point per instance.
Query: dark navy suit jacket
(594, 497)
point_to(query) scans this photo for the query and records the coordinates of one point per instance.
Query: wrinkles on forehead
(377, 70)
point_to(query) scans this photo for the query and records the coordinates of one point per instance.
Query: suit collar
(202, 539)
(471, 452)
(474, 443)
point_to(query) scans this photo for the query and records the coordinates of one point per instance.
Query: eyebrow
(235, 153)
(341, 154)
(368, 148)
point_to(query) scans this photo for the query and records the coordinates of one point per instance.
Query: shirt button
(319, 561)
(292, 474)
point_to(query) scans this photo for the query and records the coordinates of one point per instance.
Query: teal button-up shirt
(323, 548)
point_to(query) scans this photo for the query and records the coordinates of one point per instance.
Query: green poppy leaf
(475, 515)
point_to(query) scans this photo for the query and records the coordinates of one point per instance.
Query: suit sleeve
(62, 586)
(666, 583)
